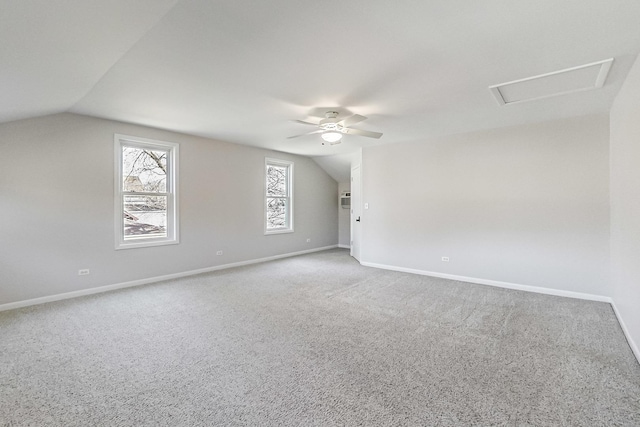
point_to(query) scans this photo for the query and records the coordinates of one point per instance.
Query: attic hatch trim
(598, 82)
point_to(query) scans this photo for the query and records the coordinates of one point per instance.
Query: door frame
(356, 212)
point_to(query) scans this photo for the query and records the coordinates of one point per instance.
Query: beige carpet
(316, 340)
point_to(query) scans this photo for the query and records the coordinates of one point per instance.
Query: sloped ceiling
(239, 71)
(52, 53)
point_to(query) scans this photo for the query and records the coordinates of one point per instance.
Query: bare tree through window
(144, 174)
(278, 196)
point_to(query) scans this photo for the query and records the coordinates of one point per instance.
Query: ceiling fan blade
(303, 134)
(307, 122)
(352, 120)
(366, 133)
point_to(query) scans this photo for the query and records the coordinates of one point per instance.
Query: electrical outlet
(219, 253)
(308, 240)
(445, 259)
(83, 272)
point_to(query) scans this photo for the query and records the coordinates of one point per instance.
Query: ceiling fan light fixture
(331, 136)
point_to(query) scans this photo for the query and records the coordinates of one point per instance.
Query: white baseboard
(632, 343)
(107, 288)
(344, 246)
(507, 285)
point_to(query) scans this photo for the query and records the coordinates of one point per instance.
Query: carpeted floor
(316, 340)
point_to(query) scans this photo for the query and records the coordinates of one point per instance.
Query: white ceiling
(239, 71)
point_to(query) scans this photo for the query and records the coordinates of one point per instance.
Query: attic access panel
(575, 79)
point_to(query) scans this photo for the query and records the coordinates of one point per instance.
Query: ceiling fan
(331, 128)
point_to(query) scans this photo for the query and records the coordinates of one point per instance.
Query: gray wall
(527, 205)
(57, 207)
(344, 218)
(625, 204)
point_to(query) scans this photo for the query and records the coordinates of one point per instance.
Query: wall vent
(575, 79)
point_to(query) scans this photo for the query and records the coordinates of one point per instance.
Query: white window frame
(172, 148)
(289, 214)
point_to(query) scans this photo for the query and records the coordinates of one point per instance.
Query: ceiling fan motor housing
(330, 122)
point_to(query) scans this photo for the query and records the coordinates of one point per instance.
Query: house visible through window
(146, 208)
(278, 196)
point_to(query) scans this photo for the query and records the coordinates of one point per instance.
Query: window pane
(277, 180)
(145, 216)
(276, 213)
(144, 170)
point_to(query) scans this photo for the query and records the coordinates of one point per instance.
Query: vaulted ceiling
(240, 71)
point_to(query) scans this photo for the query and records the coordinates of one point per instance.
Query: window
(278, 196)
(146, 185)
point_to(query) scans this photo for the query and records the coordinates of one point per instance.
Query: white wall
(526, 205)
(344, 219)
(57, 207)
(625, 205)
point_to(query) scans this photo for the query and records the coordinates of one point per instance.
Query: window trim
(172, 149)
(289, 164)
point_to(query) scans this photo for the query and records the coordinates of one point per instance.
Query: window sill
(278, 231)
(145, 244)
